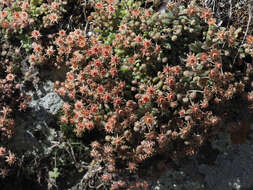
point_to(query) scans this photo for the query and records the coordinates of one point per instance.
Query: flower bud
(164, 60)
(174, 38)
(185, 100)
(193, 95)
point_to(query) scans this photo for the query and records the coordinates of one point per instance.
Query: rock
(35, 127)
(232, 170)
(177, 180)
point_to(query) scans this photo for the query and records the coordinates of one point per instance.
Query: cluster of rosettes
(12, 20)
(11, 100)
(17, 16)
(62, 47)
(248, 47)
(158, 84)
(7, 160)
(11, 97)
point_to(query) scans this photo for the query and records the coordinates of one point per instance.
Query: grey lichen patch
(45, 98)
(51, 102)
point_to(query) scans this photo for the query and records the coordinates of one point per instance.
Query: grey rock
(177, 180)
(186, 178)
(35, 127)
(232, 170)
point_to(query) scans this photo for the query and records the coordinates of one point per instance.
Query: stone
(232, 170)
(35, 127)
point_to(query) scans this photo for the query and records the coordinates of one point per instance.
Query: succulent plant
(147, 85)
